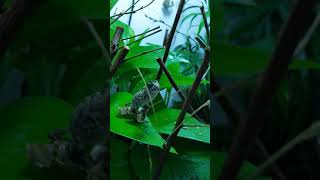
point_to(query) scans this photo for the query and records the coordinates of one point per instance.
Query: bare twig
(144, 53)
(201, 107)
(310, 132)
(141, 38)
(206, 24)
(141, 33)
(115, 41)
(171, 35)
(96, 36)
(248, 130)
(174, 84)
(308, 35)
(201, 43)
(182, 114)
(118, 16)
(131, 12)
(164, 23)
(132, 8)
(119, 60)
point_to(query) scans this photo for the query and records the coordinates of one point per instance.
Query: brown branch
(12, 19)
(118, 16)
(141, 33)
(164, 23)
(141, 38)
(173, 83)
(248, 130)
(115, 41)
(119, 60)
(234, 115)
(131, 12)
(206, 24)
(201, 43)
(170, 141)
(171, 35)
(96, 36)
(144, 53)
(134, 11)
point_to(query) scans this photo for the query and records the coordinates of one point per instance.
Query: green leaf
(164, 122)
(113, 3)
(142, 132)
(147, 61)
(180, 79)
(246, 169)
(29, 120)
(92, 81)
(248, 61)
(189, 165)
(128, 31)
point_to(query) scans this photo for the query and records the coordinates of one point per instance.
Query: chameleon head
(153, 86)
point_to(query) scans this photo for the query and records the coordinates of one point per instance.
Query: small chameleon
(141, 102)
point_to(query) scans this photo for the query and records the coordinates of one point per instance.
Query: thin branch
(132, 8)
(131, 12)
(206, 24)
(119, 60)
(141, 38)
(171, 35)
(96, 36)
(141, 33)
(201, 43)
(234, 116)
(118, 16)
(249, 128)
(310, 132)
(174, 84)
(134, 11)
(308, 35)
(144, 53)
(164, 23)
(201, 107)
(182, 114)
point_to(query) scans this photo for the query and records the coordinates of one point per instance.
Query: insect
(141, 102)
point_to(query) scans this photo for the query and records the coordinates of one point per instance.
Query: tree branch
(295, 28)
(119, 60)
(171, 35)
(170, 141)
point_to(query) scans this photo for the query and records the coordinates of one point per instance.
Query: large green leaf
(188, 165)
(29, 120)
(164, 122)
(246, 169)
(147, 61)
(128, 31)
(93, 80)
(142, 132)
